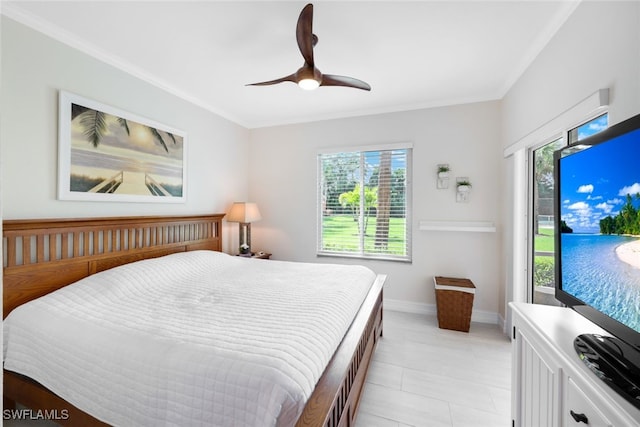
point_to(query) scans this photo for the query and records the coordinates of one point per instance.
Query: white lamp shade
(245, 212)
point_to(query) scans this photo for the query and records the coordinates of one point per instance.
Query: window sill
(466, 226)
(363, 257)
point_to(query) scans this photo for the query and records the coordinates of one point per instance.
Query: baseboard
(502, 323)
(480, 316)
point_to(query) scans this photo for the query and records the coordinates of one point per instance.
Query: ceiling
(414, 54)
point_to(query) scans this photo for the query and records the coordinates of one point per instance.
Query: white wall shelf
(468, 226)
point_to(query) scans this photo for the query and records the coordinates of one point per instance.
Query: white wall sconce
(463, 189)
(443, 176)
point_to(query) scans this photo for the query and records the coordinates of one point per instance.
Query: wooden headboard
(43, 255)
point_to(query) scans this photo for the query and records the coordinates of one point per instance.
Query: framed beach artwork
(109, 155)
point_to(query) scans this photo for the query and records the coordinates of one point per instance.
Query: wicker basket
(454, 299)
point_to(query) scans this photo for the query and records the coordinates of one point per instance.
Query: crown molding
(13, 11)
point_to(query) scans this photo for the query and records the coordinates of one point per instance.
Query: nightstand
(256, 255)
(261, 255)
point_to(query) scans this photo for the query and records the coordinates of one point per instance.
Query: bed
(41, 256)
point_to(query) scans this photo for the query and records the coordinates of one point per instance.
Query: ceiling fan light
(309, 84)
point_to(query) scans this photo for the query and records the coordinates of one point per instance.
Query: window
(543, 266)
(542, 210)
(363, 199)
(587, 129)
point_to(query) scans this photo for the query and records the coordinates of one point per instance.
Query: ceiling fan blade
(304, 34)
(332, 80)
(289, 78)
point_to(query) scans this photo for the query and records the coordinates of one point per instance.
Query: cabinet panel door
(538, 387)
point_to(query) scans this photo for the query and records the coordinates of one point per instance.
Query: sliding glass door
(541, 203)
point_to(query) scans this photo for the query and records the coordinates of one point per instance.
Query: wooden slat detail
(65, 245)
(117, 236)
(106, 241)
(26, 249)
(53, 250)
(40, 248)
(85, 242)
(11, 250)
(97, 247)
(75, 242)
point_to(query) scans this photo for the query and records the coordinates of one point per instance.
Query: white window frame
(564, 134)
(408, 202)
(530, 201)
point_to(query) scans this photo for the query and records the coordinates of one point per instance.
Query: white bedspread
(198, 338)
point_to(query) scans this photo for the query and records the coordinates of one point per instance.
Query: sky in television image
(597, 182)
(600, 204)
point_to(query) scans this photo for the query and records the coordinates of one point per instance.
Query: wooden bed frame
(41, 256)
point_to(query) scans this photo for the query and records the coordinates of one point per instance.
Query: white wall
(598, 47)
(35, 68)
(283, 181)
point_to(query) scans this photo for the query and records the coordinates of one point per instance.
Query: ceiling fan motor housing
(306, 72)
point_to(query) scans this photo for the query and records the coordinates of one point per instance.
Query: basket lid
(454, 284)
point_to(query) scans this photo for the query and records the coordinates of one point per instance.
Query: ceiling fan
(308, 76)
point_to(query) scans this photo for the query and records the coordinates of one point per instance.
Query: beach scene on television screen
(114, 155)
(600, 231)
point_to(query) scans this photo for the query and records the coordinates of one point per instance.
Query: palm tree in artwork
(94, 125)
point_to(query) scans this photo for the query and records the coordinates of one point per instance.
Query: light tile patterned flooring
(425, 376)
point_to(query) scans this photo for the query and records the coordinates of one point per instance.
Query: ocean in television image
(600, 217)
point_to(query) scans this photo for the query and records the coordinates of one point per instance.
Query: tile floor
(425, 376)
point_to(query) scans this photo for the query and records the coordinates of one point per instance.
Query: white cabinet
(551, 386)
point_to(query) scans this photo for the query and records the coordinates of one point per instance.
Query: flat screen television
(597, 224)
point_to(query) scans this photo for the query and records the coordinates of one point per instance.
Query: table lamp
(244, 213)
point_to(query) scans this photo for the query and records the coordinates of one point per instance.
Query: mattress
(196, 338)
